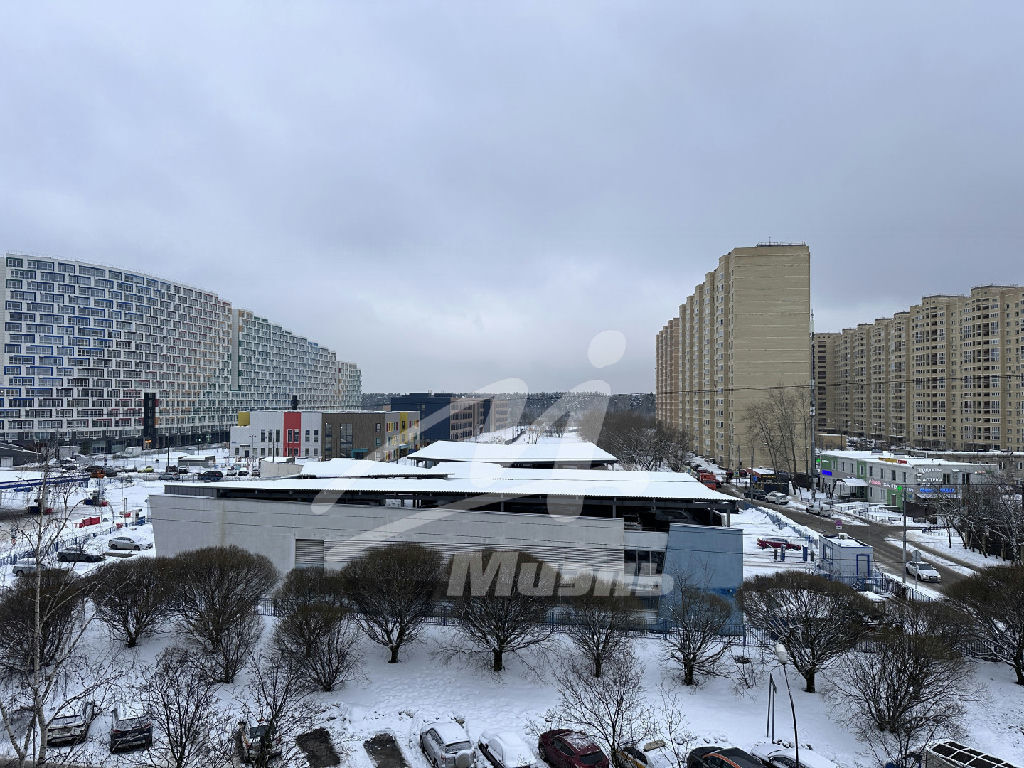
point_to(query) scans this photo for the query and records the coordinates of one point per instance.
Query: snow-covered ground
(401, 698)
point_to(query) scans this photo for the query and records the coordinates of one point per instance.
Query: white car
(777, 498)
(127, 542)
(775, 756)
(446, 745)
(923, 571)
(506, 749)
(26, 566)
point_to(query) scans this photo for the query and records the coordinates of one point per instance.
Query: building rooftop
(345, 475)
(516, 453)
(363, 468)
(901, 458)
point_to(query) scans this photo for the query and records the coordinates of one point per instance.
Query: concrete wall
(183, 523)
(709, 558)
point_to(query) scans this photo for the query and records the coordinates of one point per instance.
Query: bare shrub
(817, 621)
(217, 593)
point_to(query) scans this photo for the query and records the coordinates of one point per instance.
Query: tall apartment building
(745, 329)
(944, 375)
(84, 343)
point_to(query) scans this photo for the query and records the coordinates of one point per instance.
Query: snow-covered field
(401, 698)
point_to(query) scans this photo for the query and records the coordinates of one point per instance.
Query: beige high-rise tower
(744, 331)
(943, 375)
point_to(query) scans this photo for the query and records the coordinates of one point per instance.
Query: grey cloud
(475, 190)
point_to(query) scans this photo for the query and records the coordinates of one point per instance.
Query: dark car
(721, 757)
(71, 728)
(212, 475)
(758, 494)
(132, 726)
(78, 554)
(563, 748)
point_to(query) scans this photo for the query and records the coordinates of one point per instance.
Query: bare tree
(613, 707)
(43, 623)
(993, 599)
(276, 699)
(694, 641)
(181, 697)
(598, 626)
(315, 631)
(509, 614)
(909, 690)
(217, 593)
(990, 517)
(132, 597)
(781, 423)
(394, 589)
(638, 441)
(817, 621)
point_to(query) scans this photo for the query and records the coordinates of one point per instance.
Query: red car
(563, 748)
(774, 542)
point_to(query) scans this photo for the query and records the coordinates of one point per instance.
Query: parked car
(653, 754)
(775, 756)
(923, 571)
(73, 728)
(232, 473)
(563, 748)
(446, 745)
(127, 542)
(243, 473)
(775, 497)
(76, 553)
(758, 495)
(506, 749)
(253, 738)
(168, 476)
(146, 469)
(721, 757)
(211, 476)
(131, 726)
(26, 566)
(776, 542)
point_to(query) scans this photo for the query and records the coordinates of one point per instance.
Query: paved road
(889, 556)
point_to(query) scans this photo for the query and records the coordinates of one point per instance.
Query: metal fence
(73, 541)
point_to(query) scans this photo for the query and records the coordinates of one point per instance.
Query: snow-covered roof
(449, 731)
(365, 468)
(889, 458)
(649, 485)
(516, 453)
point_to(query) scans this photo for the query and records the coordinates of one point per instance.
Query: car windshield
(129, 723)
(63, 721)
(592, 758)
(257, 731)
(458, 746)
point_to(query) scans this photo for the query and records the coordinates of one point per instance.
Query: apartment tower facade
(86, 346)
(944, 375)
(744, 330)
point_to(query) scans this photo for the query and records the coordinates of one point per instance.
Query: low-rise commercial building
(633, 526)
(316, 435)
(889, 479)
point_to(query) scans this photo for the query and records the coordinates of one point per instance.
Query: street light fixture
(783, 656)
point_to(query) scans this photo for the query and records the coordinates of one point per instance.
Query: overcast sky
(456, 193)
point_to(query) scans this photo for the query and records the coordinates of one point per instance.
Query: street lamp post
(783, 657)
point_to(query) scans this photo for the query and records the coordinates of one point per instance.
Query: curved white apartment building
(84, 343)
